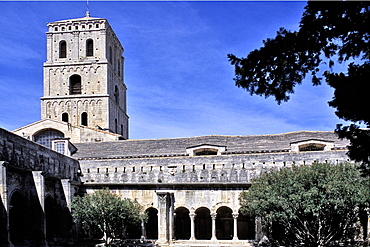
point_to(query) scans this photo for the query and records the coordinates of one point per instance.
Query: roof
(177, 146)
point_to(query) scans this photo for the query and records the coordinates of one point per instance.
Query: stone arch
(182, 223)
(224, 223)
(203, 224)
(17, 217)
(151, 225)
(246, 226)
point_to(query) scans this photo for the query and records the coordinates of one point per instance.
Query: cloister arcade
(203, 225)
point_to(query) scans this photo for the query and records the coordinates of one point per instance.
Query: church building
(189, 187)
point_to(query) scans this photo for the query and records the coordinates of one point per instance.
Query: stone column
(258, 228)
(66, 185)
(192, 218)
(4, 195)
(162, 217)
(143, 231)
(213, 216)
(235, 217)
(39, 180)
(171, 216)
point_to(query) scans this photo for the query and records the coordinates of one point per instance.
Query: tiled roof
(177, 146)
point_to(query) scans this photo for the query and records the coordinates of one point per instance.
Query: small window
(121, 129)
(89, 48)
(56, 29)
(59, 147)
(311, 147)
(116, 94)
(75, 84)
(110, 55)
(65, 117)
(84, 119)
(115, 125)
(97, 25)
(119, 68)
(205, 151)
(62, 49)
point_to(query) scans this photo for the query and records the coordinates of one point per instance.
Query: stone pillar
(4, 195)
(162, 217)
(235, 217)
(192, 229)
(258, 228)
(66, 184)
(171, 214)
(213, 216)
(143, 231)
(39, 180)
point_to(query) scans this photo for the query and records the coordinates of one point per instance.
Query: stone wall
(36, 189)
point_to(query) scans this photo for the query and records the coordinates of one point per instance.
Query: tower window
(65, 117)
(89, 48)
(115, 125)
(62, 49)
(116, 94)
(84, 119)
(119, 68)
(110, 55)
(75, 84)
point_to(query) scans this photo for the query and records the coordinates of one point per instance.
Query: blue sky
(179, 80)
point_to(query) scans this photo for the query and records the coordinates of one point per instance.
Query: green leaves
(303, 197)
(105, 213)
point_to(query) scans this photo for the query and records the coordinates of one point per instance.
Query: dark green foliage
(329, 32)
(106, 214)
(317, 203)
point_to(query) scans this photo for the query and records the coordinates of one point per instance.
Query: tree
(107, 214)
(328, 31)
(316, 203)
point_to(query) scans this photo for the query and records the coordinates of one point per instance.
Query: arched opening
(62, 49)
(84, 119)
(311, 147)
(224, 223)
(277, 231)
(151, 226)
(116, 94)
(205, 151)
(17, 218)
(46, 136)
(89, 48)
(50, 216)
(65, 117)
(246, 226)
(203, 224)
(75, 84)
(182, 223)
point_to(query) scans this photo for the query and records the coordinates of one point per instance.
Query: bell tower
(83, 76)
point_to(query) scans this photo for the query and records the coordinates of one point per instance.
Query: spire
(87, 9)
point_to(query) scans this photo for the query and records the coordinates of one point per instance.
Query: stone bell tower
(83, 76)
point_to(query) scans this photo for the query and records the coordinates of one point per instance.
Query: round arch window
(46, 136)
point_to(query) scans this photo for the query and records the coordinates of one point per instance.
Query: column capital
(235, 215)
(213, 216)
